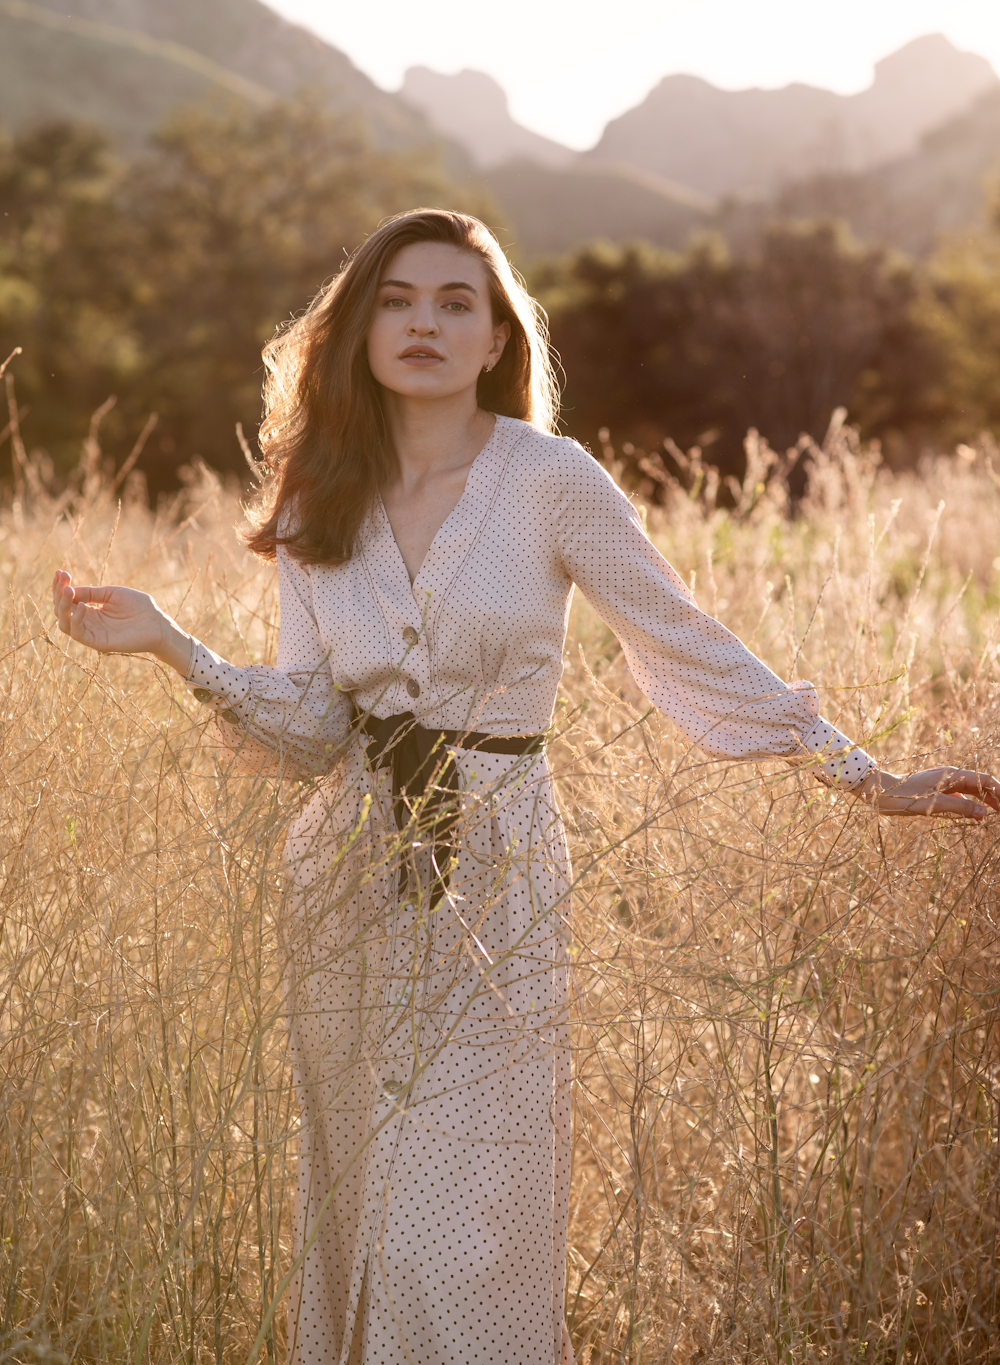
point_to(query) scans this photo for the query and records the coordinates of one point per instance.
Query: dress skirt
(431, 1055)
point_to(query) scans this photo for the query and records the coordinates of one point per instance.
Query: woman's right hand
(119, 620)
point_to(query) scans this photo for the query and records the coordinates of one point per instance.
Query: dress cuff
(843, 763)
(222, 685)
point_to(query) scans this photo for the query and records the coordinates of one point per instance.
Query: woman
(428, 527)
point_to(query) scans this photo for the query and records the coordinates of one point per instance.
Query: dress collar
(455, 536)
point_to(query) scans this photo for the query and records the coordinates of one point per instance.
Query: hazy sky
(569, 67)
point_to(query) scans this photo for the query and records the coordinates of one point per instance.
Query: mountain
(910, 201)
(751, 141)
(551, 198)
(900, 161)
(126, 64)
(888, 159)
(471, 108)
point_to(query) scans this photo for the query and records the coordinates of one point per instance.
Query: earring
(487, 367)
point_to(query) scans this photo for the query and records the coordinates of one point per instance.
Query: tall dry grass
(787, 1055)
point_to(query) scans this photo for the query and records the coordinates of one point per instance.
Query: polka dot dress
(430, 1039)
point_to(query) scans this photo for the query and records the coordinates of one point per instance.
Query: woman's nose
(422, 322)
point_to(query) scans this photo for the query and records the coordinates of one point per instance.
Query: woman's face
(433, 330)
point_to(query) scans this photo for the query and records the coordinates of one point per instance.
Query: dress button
(409, 635)
(413, 687)
(230, 716)
(203, 694)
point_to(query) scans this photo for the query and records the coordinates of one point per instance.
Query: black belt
(422, 767)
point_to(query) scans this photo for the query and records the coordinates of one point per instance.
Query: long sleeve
(717, 692)
(292, 709)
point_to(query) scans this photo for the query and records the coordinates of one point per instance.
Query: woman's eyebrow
(442, 289)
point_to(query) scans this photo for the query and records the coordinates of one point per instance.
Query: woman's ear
(501, 335)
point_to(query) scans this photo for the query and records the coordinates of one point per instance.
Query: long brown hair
(326, 446)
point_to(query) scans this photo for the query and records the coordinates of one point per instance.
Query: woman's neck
(434, 437)
(436, 448)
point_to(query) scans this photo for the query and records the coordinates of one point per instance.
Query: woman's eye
(395, 303)
(457, 307)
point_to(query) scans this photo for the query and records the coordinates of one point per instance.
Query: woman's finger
(78, 624)
(981, 785)
(77, 616)
(62, 600)
(939, 803)
(83, 593)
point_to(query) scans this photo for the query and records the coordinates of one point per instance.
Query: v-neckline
(412, 583)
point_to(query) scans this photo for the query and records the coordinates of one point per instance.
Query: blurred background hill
(901, 160)
(178, 179)
(908, 201)
(724, 142)
(471, 107)
(127, 64)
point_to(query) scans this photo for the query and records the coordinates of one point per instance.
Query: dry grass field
(787, 1041)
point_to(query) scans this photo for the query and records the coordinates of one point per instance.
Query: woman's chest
(492, 592)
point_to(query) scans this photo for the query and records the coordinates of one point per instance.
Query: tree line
(158, 280)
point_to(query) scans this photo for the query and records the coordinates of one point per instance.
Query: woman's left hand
(934, 791)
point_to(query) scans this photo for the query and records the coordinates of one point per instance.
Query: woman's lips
(420, 356)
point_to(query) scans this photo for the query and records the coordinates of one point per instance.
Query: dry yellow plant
(786, 1033)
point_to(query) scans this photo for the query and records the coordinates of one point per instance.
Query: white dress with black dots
(430, 1040)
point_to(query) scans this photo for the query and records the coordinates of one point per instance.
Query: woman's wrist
(175, 648)
(876, 783)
